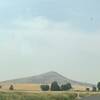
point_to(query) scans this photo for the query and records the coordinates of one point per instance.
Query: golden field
(25, 87)
(81, 87)
(36, 87)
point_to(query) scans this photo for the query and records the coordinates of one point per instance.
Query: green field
(35, 96)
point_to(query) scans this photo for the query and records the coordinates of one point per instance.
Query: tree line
(65, 87)
(56, 87)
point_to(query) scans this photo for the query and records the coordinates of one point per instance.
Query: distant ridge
(46, 78)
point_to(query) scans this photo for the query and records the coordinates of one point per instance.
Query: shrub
(88, 89)
(11, 87)
(66, 87)
(44, 87)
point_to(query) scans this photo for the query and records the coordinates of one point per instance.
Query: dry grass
(81, 87)
(36, 87)
(27, 87)
(33, 87)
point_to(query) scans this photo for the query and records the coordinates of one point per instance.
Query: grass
(24, 87)
(35, 96)
(29, 95)
(32, 92)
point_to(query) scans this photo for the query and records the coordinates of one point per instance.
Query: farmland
(32, 92)
(35, 87)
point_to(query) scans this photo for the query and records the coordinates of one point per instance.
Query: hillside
(46, 78)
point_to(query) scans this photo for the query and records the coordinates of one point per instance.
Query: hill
(46, 78)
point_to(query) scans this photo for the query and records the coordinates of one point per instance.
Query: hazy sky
(38, 36)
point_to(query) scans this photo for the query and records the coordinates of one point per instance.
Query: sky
(38, 36)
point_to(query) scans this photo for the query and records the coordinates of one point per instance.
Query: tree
(11, 87)
(94, 89)
(69, 86)
(55, 86)
(44, 87)
(63, 87)
(98, 86)
(66, 87)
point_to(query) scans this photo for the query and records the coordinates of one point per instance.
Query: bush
(11, 87)
(55, 86)
(44, 87)
(88, 89)
(66, 87)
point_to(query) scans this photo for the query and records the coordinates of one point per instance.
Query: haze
(38, 36)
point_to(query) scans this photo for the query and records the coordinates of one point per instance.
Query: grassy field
(50, 95)
(35, 96)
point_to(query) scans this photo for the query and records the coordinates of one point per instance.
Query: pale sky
(38, 36)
